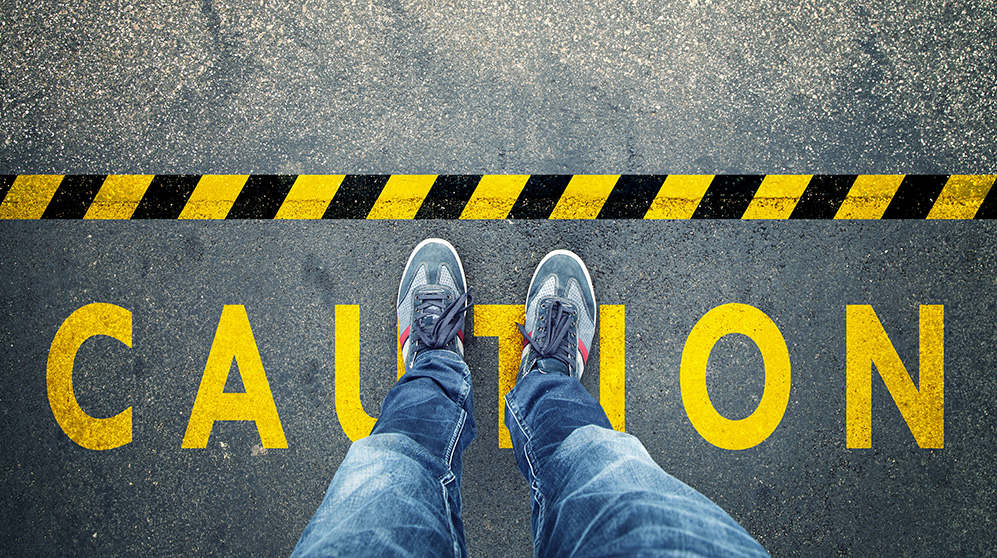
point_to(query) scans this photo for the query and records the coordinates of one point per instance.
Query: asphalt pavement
(572, 87)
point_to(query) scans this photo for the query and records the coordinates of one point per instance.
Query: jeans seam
(446, 505)
(465, 390)
(536, 493)
(452, 447)
(541, 513)
(449, 476)
(525, 430)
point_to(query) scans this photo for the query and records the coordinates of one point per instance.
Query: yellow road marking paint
(711, 425)
(612, 364)
(402, 196)
(869, 196)
(119, 196)
(91, 320)
(679, 196)
(29, 195)
(310, 196)
(962, 196)
(355, 421)
(584, 196)
(777, 196)
(213, 197)
(234, 341)
(922, 406)
(494, 196)
(499, 320)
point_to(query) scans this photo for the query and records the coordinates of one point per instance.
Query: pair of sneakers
(560, 309)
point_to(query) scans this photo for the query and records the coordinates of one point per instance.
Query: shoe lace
(437, 321)
(555, 340)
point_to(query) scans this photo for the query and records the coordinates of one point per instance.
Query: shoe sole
(415, 251)
(585, 270)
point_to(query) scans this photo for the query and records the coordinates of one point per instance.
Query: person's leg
(595, 492)
(397, 492)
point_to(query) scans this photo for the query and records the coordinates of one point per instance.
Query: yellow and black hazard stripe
(498, 197)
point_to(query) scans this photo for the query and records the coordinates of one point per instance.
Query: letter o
(711, 425)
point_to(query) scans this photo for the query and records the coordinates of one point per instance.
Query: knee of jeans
(592, 453)
(604, 441)
(596, 456)
(380, 463)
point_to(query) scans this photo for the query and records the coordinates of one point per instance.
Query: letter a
(234, 340)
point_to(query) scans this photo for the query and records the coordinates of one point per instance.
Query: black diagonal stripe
(728, 196)
(6, 181)
(261, 196)
(540, 196)
(823, 196)
(74, 196)
(166, 197)
(448, 196)
(631, 197)
(988, 209)
(915, 196)
(355, 196)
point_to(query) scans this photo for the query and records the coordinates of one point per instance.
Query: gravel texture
(492, 86)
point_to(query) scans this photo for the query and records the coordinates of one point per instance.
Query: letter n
(923, 407)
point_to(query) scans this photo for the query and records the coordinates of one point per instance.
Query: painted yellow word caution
(867, 344)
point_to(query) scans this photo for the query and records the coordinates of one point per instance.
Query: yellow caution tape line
(539, 196)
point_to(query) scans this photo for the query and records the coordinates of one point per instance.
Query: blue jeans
(595, 492)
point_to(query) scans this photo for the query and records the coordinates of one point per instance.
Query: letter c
(92, 433)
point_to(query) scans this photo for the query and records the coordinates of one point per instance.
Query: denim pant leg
(597, 492)
(397, 492)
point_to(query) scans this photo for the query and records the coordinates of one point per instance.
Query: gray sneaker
(432, 300)
(560, 317)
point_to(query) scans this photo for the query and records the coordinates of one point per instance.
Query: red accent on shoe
(405, 335)
(585, 352)
(460, 333)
